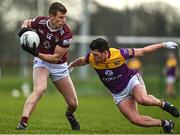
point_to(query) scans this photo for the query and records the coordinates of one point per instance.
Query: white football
(30, 38)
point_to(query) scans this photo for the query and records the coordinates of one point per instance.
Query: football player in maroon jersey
(50, 60)
(126, 85)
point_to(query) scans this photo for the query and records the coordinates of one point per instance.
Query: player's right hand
(23, 30)
(170, 45)
(33, 51)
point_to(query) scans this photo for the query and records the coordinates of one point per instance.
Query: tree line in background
(158, 19)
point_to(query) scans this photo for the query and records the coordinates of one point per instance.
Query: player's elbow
(27, 23)
(143, 51)
(139, 52)
(55, 60)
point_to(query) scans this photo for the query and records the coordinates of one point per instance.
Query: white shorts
(56, 71)
(127, 92)
(170, 80)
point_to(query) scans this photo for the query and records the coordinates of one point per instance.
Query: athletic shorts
(170, 80)
(56, 71)
(127, 92)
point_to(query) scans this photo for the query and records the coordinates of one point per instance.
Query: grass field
(96, 112)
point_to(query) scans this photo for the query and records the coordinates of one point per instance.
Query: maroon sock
(24, 119)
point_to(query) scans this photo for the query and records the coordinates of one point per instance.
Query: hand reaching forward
(170, 45)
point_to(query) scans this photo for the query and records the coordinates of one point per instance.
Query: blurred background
(124, 23)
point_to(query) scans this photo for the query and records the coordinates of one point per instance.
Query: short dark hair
(57, 7)
(99, 44)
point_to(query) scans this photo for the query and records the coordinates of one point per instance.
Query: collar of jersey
(52, 30)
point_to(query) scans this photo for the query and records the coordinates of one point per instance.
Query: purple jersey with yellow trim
(114, 73)
(50, 38)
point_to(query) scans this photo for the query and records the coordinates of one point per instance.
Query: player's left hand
(33, 51)
(170, 45)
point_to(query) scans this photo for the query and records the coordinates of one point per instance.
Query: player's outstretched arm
(78, 62)
(154, 47)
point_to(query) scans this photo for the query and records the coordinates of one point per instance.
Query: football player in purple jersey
(126, 85)
(50, 60)
(171, 72)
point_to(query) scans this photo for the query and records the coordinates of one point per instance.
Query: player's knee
(73, 103)
(39, 91)
(144, 100)
(34, 97)
(135, 120)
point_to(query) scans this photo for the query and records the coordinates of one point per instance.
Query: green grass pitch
(97, 112)
(97, 115)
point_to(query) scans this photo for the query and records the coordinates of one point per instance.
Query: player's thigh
(40, 78)
(139, 92)
(128, 108)
(66, 88)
